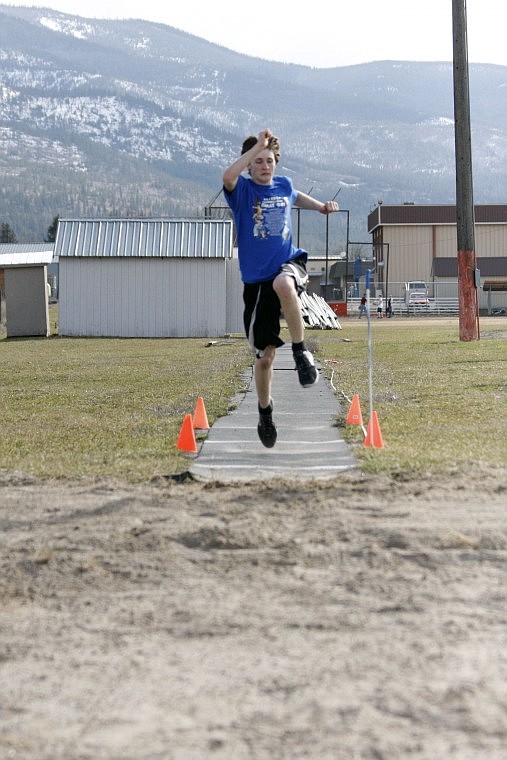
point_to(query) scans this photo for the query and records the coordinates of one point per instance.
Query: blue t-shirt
(262, 214)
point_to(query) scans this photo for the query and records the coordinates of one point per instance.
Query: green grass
(80, 407)
(107, 407)
(441, 402)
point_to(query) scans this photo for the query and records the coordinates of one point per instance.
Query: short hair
(273, 145)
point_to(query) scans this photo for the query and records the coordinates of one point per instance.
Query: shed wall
(26, 300)
(148, 297)
(234, 304)
(445, 241)
(412, 248)
(491, 239)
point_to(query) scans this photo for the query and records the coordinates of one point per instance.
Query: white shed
(148, 278)
(23, 287)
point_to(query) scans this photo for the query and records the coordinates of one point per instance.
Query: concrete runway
(309, 444)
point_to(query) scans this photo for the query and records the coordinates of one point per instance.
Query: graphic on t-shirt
(270, 217)
(259, 231)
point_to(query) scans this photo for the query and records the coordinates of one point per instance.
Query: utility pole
(465, 220)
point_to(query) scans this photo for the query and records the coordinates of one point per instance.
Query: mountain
(134, 118)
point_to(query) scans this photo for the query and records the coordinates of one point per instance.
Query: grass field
(109, 407)
(441, 402)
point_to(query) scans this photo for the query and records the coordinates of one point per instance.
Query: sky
(327, 34)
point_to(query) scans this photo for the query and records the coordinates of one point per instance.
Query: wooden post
(465, 221)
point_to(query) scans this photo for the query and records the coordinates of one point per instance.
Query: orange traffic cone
(354, 417)
(186, 438)
(373, 433)
(200, 420)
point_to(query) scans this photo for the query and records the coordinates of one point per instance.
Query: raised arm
(312, 204)
(231, 174)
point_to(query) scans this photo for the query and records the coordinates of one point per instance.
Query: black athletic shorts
(261, 315)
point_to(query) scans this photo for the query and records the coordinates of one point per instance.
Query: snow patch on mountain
(17, 148)
(72, 27)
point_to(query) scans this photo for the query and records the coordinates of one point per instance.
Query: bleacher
(435, 307)
(443, 306)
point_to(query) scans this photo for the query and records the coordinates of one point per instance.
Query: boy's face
(263, 167)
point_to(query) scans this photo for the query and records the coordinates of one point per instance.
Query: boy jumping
(273, 270)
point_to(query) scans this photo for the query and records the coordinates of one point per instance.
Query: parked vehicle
(416, 293)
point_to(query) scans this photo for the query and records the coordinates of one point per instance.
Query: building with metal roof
(148, 278)
(419, 242)
(24, 288)
(25, 254)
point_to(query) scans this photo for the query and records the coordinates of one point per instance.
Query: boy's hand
(329, 207)
(263, 138)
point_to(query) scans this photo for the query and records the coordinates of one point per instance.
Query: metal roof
(412, 213)
(25, 254)
(489, 266)
(160, 238)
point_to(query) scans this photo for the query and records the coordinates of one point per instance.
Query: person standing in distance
(362, 306)
(272, 269)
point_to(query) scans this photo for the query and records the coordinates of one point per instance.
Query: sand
(361, 618)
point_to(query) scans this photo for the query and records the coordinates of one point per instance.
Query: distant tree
(7, 234)
(51, 233)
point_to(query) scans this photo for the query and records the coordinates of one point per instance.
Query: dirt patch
(363, 618)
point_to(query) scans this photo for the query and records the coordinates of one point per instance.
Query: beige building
(419, 242)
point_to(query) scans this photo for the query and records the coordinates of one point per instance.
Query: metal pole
(327, 239)
(327, 246)
(387, 275)
(327, 255)
(467, 293)
(347, 260)
(380, 276)
(370, 362)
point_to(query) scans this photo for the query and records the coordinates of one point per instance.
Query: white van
(416, 293)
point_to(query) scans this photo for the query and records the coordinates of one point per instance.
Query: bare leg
(263, 373)
(285, 288)
(266, 428)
